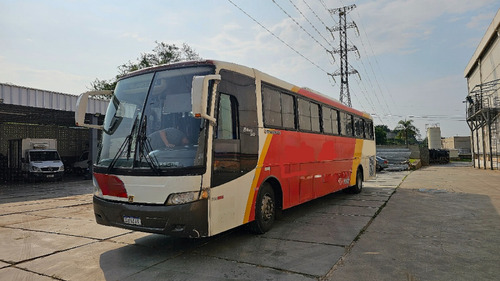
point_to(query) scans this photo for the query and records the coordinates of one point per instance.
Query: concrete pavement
(52, 235)
(442, 223)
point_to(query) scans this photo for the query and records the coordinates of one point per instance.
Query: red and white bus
(193, 149)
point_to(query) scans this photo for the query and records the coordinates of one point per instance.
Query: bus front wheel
(265, 210)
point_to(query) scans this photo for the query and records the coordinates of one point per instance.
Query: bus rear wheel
(358, 186)
(265, 210)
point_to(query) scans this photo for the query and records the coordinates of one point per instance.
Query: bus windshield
(149, 123)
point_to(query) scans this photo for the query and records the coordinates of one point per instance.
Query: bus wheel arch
(358, 185)
(278, 193)
(268, 206)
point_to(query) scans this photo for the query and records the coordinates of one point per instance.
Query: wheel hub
(267, 209)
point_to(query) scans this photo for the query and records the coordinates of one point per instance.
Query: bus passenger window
(315, 126)
(346, 124)
(369, 130)
(327, 120)
(349, 125)
(304, 115)
(287, 111)
(335, 122)
(359, 128)
(272, 107)
(343, 129)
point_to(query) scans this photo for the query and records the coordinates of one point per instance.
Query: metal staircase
(495, 135)
(483, 111)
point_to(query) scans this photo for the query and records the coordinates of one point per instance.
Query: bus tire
(265, 210)
(358, 186)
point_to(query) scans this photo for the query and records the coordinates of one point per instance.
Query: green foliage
(381, 134)
(163, 53)
(407, 131)
(98, 85)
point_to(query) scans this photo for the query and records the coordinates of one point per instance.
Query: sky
(412, 53)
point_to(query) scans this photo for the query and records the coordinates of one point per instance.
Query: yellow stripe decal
(256, 178)
(358, 149)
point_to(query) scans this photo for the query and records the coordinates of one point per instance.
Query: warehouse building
(34, 113)
(483, 99)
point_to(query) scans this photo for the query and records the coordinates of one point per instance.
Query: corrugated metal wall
(17, 95)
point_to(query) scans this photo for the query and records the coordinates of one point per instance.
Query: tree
(163, 53)
(381, 134)
(407, 131)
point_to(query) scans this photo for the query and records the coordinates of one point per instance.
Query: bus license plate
(50, 176)
(132, 220)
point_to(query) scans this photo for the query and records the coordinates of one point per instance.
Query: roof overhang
(492, 33)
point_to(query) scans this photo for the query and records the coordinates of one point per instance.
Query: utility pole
(345, 70)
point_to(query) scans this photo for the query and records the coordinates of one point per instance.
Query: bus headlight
(186, 197)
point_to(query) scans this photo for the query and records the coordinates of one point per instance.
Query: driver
(169, 137)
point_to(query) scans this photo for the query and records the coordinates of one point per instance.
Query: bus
(193, 149)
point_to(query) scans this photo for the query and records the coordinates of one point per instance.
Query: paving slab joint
(361, 232)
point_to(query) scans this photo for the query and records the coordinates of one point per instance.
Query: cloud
(480, 20)
(134, 36)
(392, 26)
(432, 101)
(46, 79)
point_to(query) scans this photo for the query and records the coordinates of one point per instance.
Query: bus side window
(335, 122)
(369, 130)
(226, 145)
(272, 107)
(343, 127)
(359, 129)
(349, 125)
(315, 123)
(330, 121)
(288, 111)
(227, 119)
(327, 120)
(304, 115)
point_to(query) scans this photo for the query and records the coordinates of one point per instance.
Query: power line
(310, 23)
(376, 61)
(276, 36)
(298, 24)
(367, 97)
(374, 77)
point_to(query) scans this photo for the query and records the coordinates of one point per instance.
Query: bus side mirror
(199, 96)
(81, 108)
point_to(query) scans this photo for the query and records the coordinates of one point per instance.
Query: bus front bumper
(186, 220)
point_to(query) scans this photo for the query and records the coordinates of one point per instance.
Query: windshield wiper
(126, 143)
(145, 148)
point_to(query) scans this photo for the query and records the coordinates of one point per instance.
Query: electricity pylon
(345, 70)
